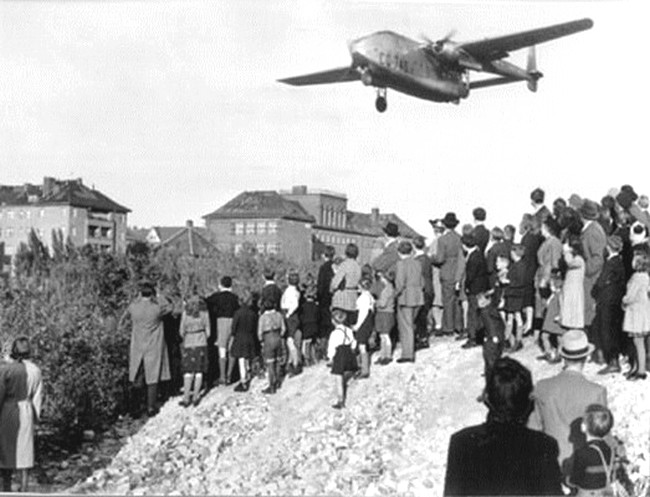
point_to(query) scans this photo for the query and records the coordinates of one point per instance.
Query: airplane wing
(497, 48)
(485, 83)
(340, 75)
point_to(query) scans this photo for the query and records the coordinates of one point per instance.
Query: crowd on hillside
(575, 277)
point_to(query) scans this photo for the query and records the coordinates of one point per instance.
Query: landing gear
(380, 103)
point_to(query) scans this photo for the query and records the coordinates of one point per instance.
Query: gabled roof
(256, 204)
(190, 240)
(363, 223)
(165, 233)
(72, 192)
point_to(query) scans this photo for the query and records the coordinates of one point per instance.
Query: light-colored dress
(573, 293)
(637, 305)
(21, 398)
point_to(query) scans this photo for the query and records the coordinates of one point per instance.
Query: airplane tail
(531, 69)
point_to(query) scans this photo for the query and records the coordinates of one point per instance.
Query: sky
(173, 108)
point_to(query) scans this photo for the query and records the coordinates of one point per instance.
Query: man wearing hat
(594, 242)
(386, 261)
(436, 311)
(449, 258)
(608, 293)
(540, 211)
(560, 401)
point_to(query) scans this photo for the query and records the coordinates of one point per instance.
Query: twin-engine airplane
(438, 70)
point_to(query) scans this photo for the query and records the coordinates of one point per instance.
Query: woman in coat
(573, 291)
(21, 397)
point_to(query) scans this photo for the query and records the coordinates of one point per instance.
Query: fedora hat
(450, 221)
(575, 345)
(391, 229)
(589, 210)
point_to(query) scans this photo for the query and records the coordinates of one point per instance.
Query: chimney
(299, 190)
(48, 186)
(374, 217)
(189, 224)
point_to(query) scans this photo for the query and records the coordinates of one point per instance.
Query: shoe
(544, 357)
(461, 336)
(184, 403)
(152, 412)
(196, 402)
(637, 376)
(469, 344)
(339, 405)
(629, 373)
(364, 376)
(609, 369)
(241, 387)
(269, 390)
(404, 359)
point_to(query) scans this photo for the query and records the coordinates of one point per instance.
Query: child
(494, 331)
(385, 318)
(591, 471)
(194, 330)
(514, 296)
(290, 304)
(309, 321)
(573, 290)
(270, 331)
(244, 326)
(637, 313)
(551, 329)
(340, 351)
(365, 324)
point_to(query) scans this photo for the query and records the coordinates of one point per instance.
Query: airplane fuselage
(389, 60)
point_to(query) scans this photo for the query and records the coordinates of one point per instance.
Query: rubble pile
(390, 439)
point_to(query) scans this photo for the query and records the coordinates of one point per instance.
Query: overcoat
(594, 242)
(148, 345)
(409, 283)
(448, 255)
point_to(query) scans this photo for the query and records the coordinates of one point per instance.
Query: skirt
(243, 346)
(344, 360)
(194, 359)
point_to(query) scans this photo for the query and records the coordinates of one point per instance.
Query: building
(82, 214)
(299, 223)
(188, 239)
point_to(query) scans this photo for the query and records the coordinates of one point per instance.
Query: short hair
(537, 196)
(598, 420)
(226, 282)
(508, 391)
(497, 233)
(418, 242)
(193, 306)
(21, 349)
(467, 229)
(405, 247)
(479, 214)
(293, 278)
(329, 252)
(574, 243)
(339, 316)
(351, 251)
(365, 283)
(529, 223)
(552, 226)
(269, 274)
(518, 249)
(509, 231)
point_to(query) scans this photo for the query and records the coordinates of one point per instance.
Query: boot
(152, 397)
(196, 393)
(223, 362)
(187, 387)
(365, 365)
(612, 367)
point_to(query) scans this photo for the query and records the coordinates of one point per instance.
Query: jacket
(409, 283)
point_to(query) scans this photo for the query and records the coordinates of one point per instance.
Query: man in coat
(448, 258)
(386, 261)
(608, 293)
(502, 456)
(148, 358)
(409, 285)
(476, 282)
(480, 232)
(323, 294)
(594, 241)
(560, 401)
(421, 331)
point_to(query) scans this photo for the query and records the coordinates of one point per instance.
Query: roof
(72, 192)
(190, 240)
(362, 223)
(137, 234)
(165, 233)
(256, 204)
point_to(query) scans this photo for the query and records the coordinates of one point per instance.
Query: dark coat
(427, 274)
(272, 293)
(449, 256)
(476, 276)
(531, 242)
(499, 249)
(610, 285)
(323, 280)
(482, 237)
(222, 304)
(502, 459)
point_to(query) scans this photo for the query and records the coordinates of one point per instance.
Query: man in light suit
(594, 242)
(409, 285)
(560, 401)
(449, 258)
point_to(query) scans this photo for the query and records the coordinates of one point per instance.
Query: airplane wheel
(381, 104)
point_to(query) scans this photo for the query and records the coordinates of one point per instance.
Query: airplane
(438, 70)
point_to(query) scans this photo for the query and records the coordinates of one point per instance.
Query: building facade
(298, 224)
(82, 214)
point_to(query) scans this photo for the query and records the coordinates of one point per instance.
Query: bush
(70, 305)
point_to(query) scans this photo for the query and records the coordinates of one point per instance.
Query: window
(237, 248)
(272, 227)
(272, 248)
(239, 228)
(250, 228)
(260, 248)
(104, 232)
(261, 228)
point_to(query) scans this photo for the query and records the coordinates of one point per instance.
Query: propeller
(437, 47)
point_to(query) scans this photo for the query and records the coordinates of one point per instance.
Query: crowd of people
(574, 277)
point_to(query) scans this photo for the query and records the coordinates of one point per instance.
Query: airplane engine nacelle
(366, 77)
(449, 53)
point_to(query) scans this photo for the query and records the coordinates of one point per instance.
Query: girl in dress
(244, 327)
(365, 324)
(637, 313)
(573, 290)
(340, 351)
(194, 330)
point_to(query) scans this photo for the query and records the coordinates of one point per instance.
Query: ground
(391, 438)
